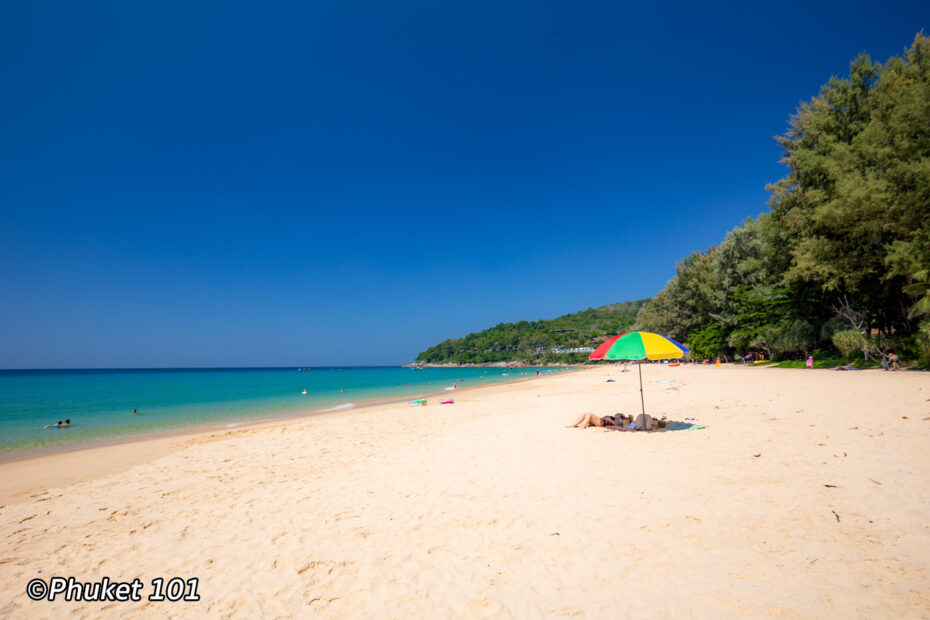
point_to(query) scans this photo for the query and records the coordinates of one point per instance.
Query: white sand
(490, 508)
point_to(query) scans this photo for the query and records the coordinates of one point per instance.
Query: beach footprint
(483, 608)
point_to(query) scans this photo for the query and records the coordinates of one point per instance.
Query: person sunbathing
(590, 419)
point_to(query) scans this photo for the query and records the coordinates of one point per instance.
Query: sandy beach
(806, 495)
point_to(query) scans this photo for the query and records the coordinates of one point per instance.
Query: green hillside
(537, 342)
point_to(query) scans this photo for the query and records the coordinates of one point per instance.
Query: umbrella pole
(641, 399)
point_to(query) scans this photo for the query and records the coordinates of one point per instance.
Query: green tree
(686, 302)
(758, 313)
(794, 336)
(708, 342)
(853, 207)
(850, 340)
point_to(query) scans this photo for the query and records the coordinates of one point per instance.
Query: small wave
(233, 424)
(342, 406)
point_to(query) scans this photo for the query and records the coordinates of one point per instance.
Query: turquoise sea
(99, 403)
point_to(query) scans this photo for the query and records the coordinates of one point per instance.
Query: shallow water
(99, 403)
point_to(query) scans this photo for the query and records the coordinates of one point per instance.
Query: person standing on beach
(810, 362)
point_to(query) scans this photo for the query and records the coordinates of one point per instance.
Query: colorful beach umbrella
(639, 346)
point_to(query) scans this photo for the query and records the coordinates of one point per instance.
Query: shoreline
(497, 365)
(22, 475)
(813, 483)
(249, 419)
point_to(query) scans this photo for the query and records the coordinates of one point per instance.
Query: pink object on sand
(446, 402)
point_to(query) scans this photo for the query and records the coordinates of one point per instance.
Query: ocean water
(99, 403)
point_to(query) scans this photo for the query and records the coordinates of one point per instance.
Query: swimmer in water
(59, 424)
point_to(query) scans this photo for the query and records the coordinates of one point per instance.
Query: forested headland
(839, 265)
(537, 342)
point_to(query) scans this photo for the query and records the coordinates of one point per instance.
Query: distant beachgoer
(894, 361)
(810, 362)
(134, 412)
(59, 424)
(717, 363)
(343, 389)
(885, 365)
(537, 373)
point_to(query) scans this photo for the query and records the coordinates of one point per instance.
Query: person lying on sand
(589, 419)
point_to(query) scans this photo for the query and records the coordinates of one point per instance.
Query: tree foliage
(709, 341)
(847, 238)
(537, 342)
(839, 261)
(848, 341)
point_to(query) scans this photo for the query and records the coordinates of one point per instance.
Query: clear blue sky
(270, 183)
